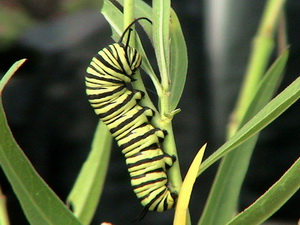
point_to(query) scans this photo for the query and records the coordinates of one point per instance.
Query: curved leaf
(161, 38)
(269, 113)
(86, 192)
(223, 196)
(186, 189)
(39, 202)
(271, 200)
(179, 61)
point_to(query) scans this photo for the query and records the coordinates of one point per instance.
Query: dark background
(53, 122)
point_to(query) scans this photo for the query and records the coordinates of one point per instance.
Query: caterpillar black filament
(128, 122)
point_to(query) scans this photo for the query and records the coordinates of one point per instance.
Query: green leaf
(262, 49)
(184, 197)
(39, 202)
(267, 86)
(161, 37)
(4, 80)
(179, 61)
(178, 53)
(223, 197)
(269, 113)
(272, 200)
(86, 192)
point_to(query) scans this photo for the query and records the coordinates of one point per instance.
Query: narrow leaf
(186, 189)
(272, 200)
(267, 87)
(10, 73)
(179, 61)
(86, 192)
(269, 113)
(224, 194)
(39, 202)
(161, 37)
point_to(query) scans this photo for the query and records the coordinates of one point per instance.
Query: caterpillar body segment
(129, 123)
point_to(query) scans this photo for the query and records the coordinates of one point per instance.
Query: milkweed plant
(256, 108)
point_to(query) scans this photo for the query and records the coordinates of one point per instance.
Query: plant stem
(262, 48)
(161, 119)
(128, 18)
(169, 147)
(138, 84)
(223, 198)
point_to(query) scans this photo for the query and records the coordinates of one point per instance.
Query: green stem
(223, 197)
(169, 147)
(138, 84)
(162, 119)
(128, 18)
(262, 48)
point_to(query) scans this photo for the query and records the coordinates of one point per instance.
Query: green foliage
(256, 92)
(272, 200)
(268, 114)
(86, 192)
(234, 166)
(39, 202)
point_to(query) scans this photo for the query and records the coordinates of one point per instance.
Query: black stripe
(132, 141)
(128, 132)
(149, 182)
(116, 118)
(95, 69)
(111, 56)
(166, 203)
(152, 147)
(100, 86)
(119, 56)
(148, 172)
(134, 58)
(102, 78)
(154, 198)
(147, 160)
(120, 61)
(98, 96)
(127, 121)
(126, 53)
(107, 64)
(157, 197)
(116, 107)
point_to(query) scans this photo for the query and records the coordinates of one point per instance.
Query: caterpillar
(117, 106)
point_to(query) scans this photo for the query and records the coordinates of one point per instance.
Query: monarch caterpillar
(117, 106)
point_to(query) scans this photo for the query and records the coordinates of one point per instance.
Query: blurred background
(53, 122)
